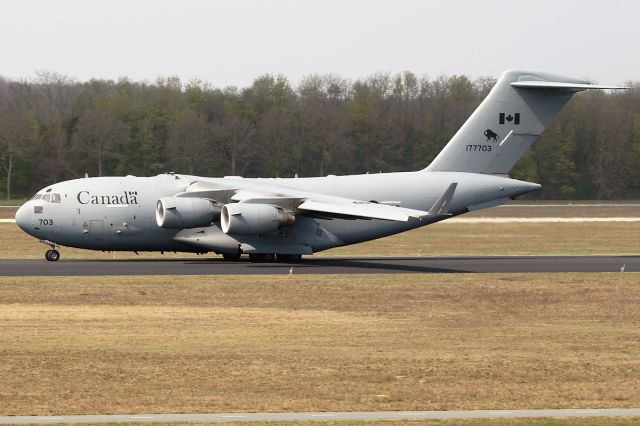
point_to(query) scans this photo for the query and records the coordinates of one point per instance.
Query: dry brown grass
(608, 421)
(598, 421)
(436, 240)
(454, 239)
(547, 209)
(264, 343)
(7, 213)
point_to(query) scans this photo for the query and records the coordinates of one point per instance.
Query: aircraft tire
(52, 255)
(262, 257)
(289, 258)
(231, 257)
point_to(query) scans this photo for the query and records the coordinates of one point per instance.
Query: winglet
(441, 207)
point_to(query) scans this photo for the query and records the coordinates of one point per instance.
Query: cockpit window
(36, 197)
(52, 198)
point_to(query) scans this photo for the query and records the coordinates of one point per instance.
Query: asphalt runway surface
(319, 416)
(322, 265)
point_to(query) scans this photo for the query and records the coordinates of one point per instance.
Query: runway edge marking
(327, 416)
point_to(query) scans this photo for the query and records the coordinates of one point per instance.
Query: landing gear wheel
(262, 257)
(52, 255)
(231, 257)
(289, 258)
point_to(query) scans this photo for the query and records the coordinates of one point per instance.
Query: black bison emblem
(491, 135)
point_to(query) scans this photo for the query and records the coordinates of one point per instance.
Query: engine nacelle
(185, 212)
(248, 218)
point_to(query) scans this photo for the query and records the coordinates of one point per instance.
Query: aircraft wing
(216, 192)
(326, 205)
(305, 202)
(364, 209)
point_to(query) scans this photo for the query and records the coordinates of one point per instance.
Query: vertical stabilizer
(505, 125)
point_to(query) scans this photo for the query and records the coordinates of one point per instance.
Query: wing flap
(364, 210)
(560, 85)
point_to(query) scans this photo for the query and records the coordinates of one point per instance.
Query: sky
(232, 42)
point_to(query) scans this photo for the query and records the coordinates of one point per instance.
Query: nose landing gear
(52, 255)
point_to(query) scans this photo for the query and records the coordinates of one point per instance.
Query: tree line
(53, 128)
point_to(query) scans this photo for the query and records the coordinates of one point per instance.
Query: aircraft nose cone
(23, 217)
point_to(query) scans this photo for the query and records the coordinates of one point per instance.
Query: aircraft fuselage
(118, 213)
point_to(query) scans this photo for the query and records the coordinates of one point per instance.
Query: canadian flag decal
(509, 118)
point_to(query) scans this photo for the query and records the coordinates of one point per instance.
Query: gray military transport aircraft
(283, 219)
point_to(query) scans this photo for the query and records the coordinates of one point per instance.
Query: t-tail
(505, 125)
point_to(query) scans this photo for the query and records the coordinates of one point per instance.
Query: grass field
(549, 209)
(7, 212)
(498, 422)
(444, 239)
(179, 344)
(602, 421)
(12, 202)
(401, 342)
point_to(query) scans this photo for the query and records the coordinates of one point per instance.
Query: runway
(320, 416)
(323, 265)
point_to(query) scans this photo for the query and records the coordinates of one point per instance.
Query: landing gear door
(96, 230)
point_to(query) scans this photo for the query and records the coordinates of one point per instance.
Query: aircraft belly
(209, 238)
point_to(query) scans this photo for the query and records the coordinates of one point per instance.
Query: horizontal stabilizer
(560, 85)
(441, 207)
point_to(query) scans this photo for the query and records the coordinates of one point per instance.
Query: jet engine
(185, 212)
(248, 218)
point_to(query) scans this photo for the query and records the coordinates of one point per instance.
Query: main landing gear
(271, 257)
(263, 257)
(232, 257)
(52, 255)
(289, 258)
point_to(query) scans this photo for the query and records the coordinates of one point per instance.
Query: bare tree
(98, 134)
(235, 134)
(18, 131)
(323, 121)
(52, 97)
(280, 146)
(188, 140)
(18, 128)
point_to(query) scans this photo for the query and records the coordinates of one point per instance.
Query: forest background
(53, 128)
